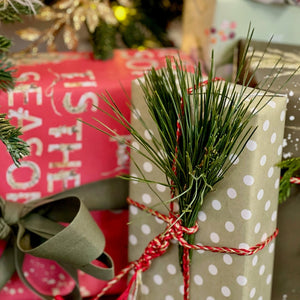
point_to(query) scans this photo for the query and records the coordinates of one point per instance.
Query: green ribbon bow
(35, 228)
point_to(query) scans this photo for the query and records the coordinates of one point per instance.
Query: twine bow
(36, 228)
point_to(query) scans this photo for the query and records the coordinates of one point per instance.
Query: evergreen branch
(291, 167)
(9, 135)
(6, 71)
(11, 11)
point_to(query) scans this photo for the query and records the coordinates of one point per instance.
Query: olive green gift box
(240, 212)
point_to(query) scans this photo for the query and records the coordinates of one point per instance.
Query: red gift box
(52, 93)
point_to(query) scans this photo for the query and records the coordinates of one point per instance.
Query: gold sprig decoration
(68, 17)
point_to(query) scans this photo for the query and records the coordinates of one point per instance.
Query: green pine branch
(6, 70)
(291, 167)
(13, 13)
(9, 135)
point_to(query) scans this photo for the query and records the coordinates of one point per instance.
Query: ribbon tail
(132, 287)
(7, 265)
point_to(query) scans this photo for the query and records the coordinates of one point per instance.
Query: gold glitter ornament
(29, 34)
(69, 16)
(70, 37)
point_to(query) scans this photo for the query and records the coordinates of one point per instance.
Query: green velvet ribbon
(36, 228)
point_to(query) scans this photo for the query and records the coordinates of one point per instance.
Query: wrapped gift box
(289, 56)
(240, 212)
(54, 91)
(233, 17)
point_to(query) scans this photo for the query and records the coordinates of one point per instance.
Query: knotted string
(160, 244)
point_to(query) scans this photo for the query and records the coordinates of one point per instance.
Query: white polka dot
(244, 246)
(260, 298)
(279, 150)
(158, 279)
(136, 113)
(274, 216)
(202, 216)
(291, 93)
(263, 160)
(270, 172)
(251, 145)
(181, 289)
(273, 138)
(267, 205)
(282, 116)
(272, 104)
(135, 145)
(158, 220)
(257, 227)
(269, 279)
(231, 192)
(132, 239)
(198, 280)
(241, 280)
(262, 269)
(291, 118)
(216, 204)
(200, 251)
(144, 289)
(246, 214)
(252, 292)
(260, 194)
(171, 269)
(248, 180)
(264, 237)
(133, 210)
(146, 198)
(212, 269)
(133, 175)
(169, 297)
(12, 291)
(254, 260)
(271, 247)
(227, 259)
(20, 290)
(266, 125)
(229, 226)
(225, 291)
(146, 229)
(148, 134)
(147, 166)
(276, 185)
(161, 188)
(214, 237)
(234, 159)
(210, 298)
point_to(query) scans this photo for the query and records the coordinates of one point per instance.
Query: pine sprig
(9, 135)
(12, 11)
(6, 70)
(291, 167)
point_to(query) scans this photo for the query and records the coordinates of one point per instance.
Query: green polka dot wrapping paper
(239, 213)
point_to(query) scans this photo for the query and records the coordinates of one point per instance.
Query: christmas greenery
(290, 167)
(6, 70)
(9, 135)
(12, 10)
